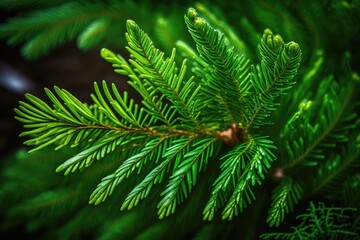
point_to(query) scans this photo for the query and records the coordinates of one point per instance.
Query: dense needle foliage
(214, 130)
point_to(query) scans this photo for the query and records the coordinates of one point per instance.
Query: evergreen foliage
(57, 22)
(212, 131)
(179, 139)
(321, 222)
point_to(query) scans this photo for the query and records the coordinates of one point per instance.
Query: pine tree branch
(173, 153)
(332, 173)
(253, 173)
(153, 104)
(244, 167)
(224, 77)
(177, 189)
(230, 171)
(180, 122)
(320, 222)
(273, 77)
(284, 197)
(219, 23)
(108, 184)
(330, 117)
(159, 72)
(43, 30)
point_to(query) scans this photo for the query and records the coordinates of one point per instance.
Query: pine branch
(20, 5)
(153, 104)
(103, 146)
(162, 74)
(232, 169)
(337, 168)
(222, 75)
(179, 125)
(94, 33)
(43, 30)
(183, 122)
(351, 191)
(327, 131)
(129, 116)
(242, 168)
(50, 125)
(284, 197)
(50, 202)
(218, 21)
(273, 77)
(253, 173)
(172, 157)
(152, 150)
(75, 122)
(184, 176)
(320, 222)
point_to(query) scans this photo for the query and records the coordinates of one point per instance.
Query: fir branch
(50, 125)
(297, 132)
(217, 21)
(49, 202)
(320, 222)
(162, 74)
(184, 176)
(273, 77)
(103, 146)
(172, 157)
(43, 30)
(231, 167)
(181, 119)
(222, 77)
(74, 122)
(176, 127)
(284, 197)
(129, 115)
(337, 168)
(94, 33)
(154, 105)
(332, 115)
(242, 168)
(152, 150)
(253, 172)
(351, 191)
(19, 5)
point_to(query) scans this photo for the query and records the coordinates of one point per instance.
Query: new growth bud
(305, 105)
(107, 54)
(199, 23)
(267, 32)
(355, 77)
(293, 48)
(131, 24)
(278, 41)
(192, 14)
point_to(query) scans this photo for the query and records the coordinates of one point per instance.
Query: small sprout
(107, 54)
(278, 40)
(131, 24)
(293, 48)
(268, 32)
(192, 14)
(304, 106)
(199, 23)
(308, 105)
(355, 77)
